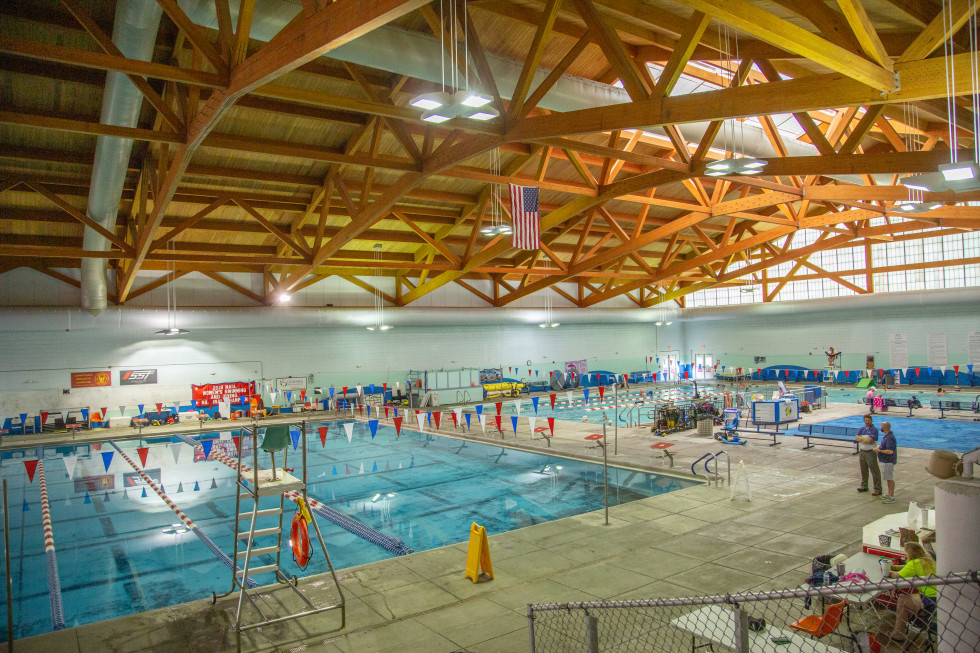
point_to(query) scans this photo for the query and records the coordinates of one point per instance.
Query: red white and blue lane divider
(218, 553)
(54, 580)
(390, 544)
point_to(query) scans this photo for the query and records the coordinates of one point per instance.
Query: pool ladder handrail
(463, 397)
(632, 412)
(709, 476)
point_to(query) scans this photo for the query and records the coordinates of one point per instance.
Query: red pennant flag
(44, 417)
(398, 426)
(499, 404)
(625, 379)
(497, 420)
(360, 407)
(105, 414)
(654, 376)
(881, 372)
(551, 373)
(956, 368)
(455, 420)
(385, 386)
(740, 370)
(438, 417)
(917, 371)
(685, 374)
(143, 452)
(31, 466)
(345, 391)
(302, 394)
(237, 440)
(787, 373)
(552, 397)
(551, 424)
(386, 412)
(417, 411)
(510, 369)
(323, 434)
(159, 407)
(602, 392)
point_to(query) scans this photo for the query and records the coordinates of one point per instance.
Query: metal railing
(847, 616)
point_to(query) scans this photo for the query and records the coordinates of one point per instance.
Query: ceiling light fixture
(497, 225)
(440, 106)
(172, 329)
(379, 302)
(549, 309)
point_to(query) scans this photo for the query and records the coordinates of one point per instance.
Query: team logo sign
(137, 377)
(91, 379)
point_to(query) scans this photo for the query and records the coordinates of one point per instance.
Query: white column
(957, 549)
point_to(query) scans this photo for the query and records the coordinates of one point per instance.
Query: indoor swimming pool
(120, 550)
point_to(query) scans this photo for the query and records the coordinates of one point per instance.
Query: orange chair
(819, 626)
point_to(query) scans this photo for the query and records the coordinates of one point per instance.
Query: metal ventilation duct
(134, 32)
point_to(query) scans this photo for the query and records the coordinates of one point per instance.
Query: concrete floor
(692, 542)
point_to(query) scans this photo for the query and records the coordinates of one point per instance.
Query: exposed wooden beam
(865, 32)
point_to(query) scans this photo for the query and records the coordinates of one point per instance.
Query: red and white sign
(213, 394)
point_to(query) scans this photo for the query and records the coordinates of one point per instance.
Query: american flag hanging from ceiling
(525, 217)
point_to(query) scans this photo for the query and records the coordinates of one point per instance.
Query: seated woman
(920, 563)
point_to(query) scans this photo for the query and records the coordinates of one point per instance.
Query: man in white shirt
(867, 439)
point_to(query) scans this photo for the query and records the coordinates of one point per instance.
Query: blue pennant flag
(586, 391)
(144, 494)
(428, 417)
(396, 412)
(23, 418)
(468, 415)
(106, 459)
(371, 389)
(373, 425)
(970, 367)
(85, 414)
(537, 372)
(374, 468)
(206, 445)
(197, 486)
(334, 470)
(479, 410)
(88, 499)
(294, 434)
(289, 396)
(534, 400)
(513, 421)
(331, 392)
(193, 403)
(140, 406)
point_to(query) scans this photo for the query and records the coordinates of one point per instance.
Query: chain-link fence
(939, 614)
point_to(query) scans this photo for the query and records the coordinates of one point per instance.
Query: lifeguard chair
(255, 484)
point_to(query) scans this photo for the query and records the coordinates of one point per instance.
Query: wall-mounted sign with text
(137, 377)
(91, 379)
(291, 383)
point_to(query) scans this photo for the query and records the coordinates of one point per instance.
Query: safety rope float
(54, 580)
(218, 553)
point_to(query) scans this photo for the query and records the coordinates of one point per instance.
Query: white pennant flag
(175, 448)
(70, 465)
(360, 390)
(398, 386)
(64, 413)
(483, 422)
(569, 396)
(943, 368)
(361, 470)
(517, 406)
(349, 429)
(122, 411)
(272, 395)
(459, 414)
(420, 418)
(530, 422)
(224, 435)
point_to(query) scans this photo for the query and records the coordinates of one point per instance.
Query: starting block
(665, 455)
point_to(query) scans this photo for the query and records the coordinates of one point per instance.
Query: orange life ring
(299, 539)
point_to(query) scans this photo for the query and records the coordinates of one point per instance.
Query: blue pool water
(917, 433)
(593, 411)
(118, 555)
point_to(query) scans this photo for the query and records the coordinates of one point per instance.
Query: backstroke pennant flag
(468, 416)
(525, 217)
(517, 406)
(483, 422)
(349, 430)
(373, 424)
(534, 401)
(530, 422)
(420, 418)
(497, 419)
(552, 396)
(438, 417)
(143, 452)
(31, 467)
(513, 421)
(323, 434)
(398, 426)
(70, 465)
(551, 425)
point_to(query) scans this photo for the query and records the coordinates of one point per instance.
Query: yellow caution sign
(478, 555)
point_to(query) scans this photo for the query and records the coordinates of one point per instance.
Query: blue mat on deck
(913, 433)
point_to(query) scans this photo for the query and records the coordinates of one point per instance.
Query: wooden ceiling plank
(688, 40)
(475, 47)
(297, 246)
(865, 32)
(548, 82)
(533, 59)
(189, 222)
(611, 46)
(79, 215)
(228, 283)
(936, 31)
(368, 287)
(195, 34)
(861, 130)
(157, 283)
(423, 234)
(784, 34)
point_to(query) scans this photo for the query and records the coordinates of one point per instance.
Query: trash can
(706, 427)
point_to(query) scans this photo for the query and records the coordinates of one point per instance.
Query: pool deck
(694, 541)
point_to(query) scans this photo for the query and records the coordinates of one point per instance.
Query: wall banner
(137, 377)
(937, 352)
(91, 379)
(213, 394)
(898, 352)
